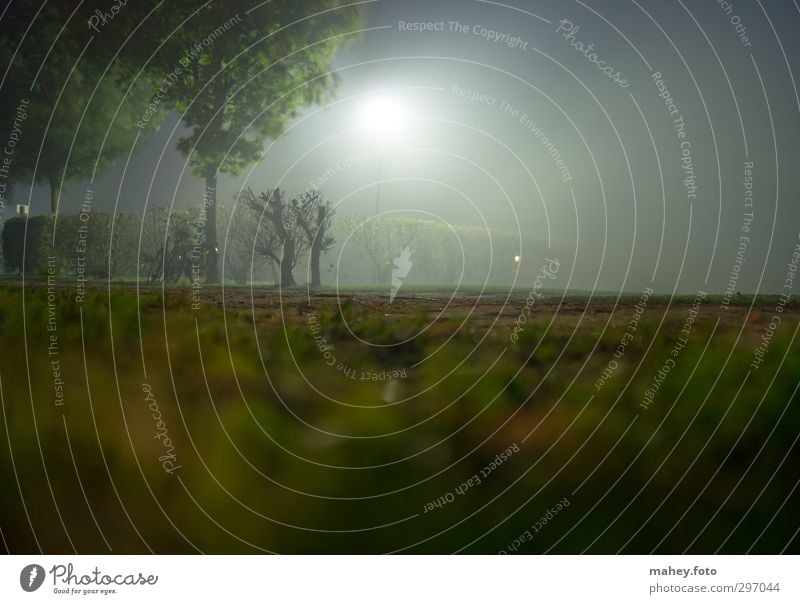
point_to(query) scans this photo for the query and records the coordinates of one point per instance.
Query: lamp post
(384, 119)
(378, 186)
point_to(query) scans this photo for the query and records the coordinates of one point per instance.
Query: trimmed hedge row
(73, 240)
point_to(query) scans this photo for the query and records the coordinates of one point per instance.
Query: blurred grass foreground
(273, 421)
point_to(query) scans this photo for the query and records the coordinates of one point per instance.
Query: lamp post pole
(378, 187)
(378, 211)
(383, 117)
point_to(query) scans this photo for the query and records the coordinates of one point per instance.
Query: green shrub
(27, 244)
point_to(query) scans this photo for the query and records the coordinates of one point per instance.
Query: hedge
(28, 243)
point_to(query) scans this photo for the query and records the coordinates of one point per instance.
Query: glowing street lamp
(383, 118)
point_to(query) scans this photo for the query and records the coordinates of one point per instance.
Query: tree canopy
(81, 115)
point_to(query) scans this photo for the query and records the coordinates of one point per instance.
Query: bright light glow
(384, 116)
(516, 258)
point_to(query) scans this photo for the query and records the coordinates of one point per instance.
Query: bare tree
(278, 237)
(288, 230)
(314, 217)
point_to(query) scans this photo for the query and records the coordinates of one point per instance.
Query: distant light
(383, 115)
(516, 258)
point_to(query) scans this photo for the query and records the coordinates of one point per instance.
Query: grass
(280, 451)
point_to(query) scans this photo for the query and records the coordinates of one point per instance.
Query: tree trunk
(210, 202)
(316, 247)
(316, 278)
(287, 260)
(287, 241)
(55, 191)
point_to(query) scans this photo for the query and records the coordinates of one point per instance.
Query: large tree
(80, 116)
(237, 72)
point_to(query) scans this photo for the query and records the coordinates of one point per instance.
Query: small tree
(384, 238)
(291, 229)
(278, 236)
(314, 217)
(241, 260)
(126, 239)
(168, 242)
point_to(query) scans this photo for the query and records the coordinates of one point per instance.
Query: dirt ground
(503, 309)
(494, 308)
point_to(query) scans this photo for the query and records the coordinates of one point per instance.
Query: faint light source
(516, 258)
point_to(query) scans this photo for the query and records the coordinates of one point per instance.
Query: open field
(270, 420)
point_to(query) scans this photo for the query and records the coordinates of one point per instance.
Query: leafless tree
(314, 216)
(291, 229)
(277, 237)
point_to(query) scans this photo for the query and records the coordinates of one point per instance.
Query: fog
(630, 180)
